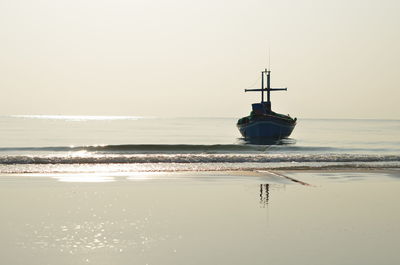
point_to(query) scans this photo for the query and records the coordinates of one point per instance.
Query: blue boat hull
(266, 128)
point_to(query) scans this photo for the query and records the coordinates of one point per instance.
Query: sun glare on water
(78, 117)
(96, 177)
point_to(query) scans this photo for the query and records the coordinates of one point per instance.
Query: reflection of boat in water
(262, 121)
(264, 194)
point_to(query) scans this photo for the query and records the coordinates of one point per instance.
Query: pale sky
(339, 59)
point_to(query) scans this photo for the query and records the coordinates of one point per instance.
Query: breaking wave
(278, 146)
(188, 157)
(151, 148)
(194, 158)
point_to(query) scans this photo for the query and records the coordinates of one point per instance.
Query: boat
(263, 123)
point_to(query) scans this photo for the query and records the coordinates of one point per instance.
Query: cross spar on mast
(268, 89)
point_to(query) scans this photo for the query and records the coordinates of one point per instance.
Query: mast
(268, 89)
(262, 87)
(268, 105)
(268, 85)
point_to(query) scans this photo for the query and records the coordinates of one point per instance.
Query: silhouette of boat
(263, 122)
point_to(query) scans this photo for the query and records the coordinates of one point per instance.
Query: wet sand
(280, 217)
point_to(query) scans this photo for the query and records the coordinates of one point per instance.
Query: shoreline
(285, 176)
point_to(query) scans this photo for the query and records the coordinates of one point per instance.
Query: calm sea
(115, 144)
